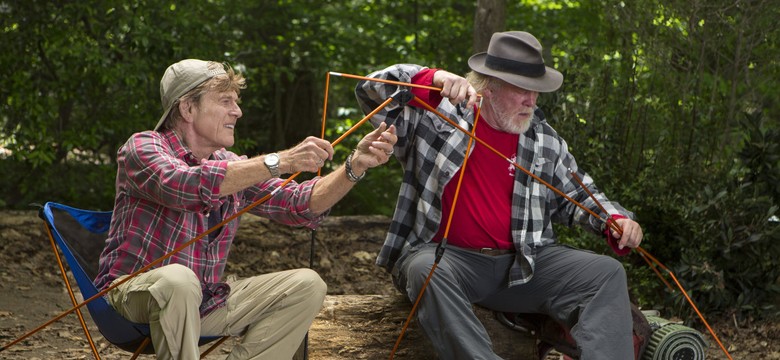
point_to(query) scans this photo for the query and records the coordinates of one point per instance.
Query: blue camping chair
(80, 235)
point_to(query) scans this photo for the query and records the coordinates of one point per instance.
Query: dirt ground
(31, 292)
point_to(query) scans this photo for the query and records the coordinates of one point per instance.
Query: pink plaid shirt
(164, 198)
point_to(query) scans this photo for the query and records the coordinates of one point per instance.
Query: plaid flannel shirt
(164, 197)
(431, 151)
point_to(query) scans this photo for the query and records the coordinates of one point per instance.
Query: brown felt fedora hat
(516, 57)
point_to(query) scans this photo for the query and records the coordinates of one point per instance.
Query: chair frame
(138, 342)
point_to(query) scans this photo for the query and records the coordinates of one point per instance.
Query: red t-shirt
(483, 210)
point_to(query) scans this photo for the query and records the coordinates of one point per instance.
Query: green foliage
(731, 263)
(79, 78)
(760, 156)
(651, 106)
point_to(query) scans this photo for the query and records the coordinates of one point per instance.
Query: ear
(186, 109)
(487, 94)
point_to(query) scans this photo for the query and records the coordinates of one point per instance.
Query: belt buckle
(486, 250)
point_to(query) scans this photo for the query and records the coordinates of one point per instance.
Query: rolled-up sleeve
(289, 205)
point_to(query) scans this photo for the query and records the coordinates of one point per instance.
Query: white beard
(507, 123)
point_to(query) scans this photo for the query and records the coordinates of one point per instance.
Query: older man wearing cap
(502, 251)
(177, 181)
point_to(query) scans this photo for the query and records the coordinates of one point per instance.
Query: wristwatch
(272, 163)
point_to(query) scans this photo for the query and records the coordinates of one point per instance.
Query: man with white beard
(497, 223)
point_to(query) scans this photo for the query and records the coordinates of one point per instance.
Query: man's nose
(530, 100)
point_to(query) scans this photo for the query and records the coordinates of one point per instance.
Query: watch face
(272, 159)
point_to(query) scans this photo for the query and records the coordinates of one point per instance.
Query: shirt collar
(182, 151)
(179, 148)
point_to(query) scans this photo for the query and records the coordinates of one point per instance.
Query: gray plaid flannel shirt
(431, 151)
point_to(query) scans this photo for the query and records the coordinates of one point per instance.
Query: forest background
(670, 105)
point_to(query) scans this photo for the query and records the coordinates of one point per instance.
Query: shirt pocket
(543, 168)
(438, 124)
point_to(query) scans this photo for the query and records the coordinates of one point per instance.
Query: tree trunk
(368, 326)
(295, 109)
(300, 108)
(490, 17)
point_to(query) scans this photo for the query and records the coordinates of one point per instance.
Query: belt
(490, 251)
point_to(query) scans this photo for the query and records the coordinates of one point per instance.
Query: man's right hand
(455, 88)
(307, 156)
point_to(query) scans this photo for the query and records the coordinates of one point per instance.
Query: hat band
(516, 67)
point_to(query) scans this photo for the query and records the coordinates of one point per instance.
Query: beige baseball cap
(182, 77)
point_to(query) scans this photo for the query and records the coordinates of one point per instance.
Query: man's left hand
(632, 233)
(374, 149)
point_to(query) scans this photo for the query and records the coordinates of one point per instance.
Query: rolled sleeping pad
(673, 341)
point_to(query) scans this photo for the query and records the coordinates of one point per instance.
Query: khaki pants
(272, 312)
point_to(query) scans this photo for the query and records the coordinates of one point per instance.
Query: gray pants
(584, 291)
(272, 311)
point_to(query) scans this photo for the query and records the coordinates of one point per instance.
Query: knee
(181, 280)
(443, 281)
(311, 283)
(615, 269)
(415, 271)
(612, 274)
